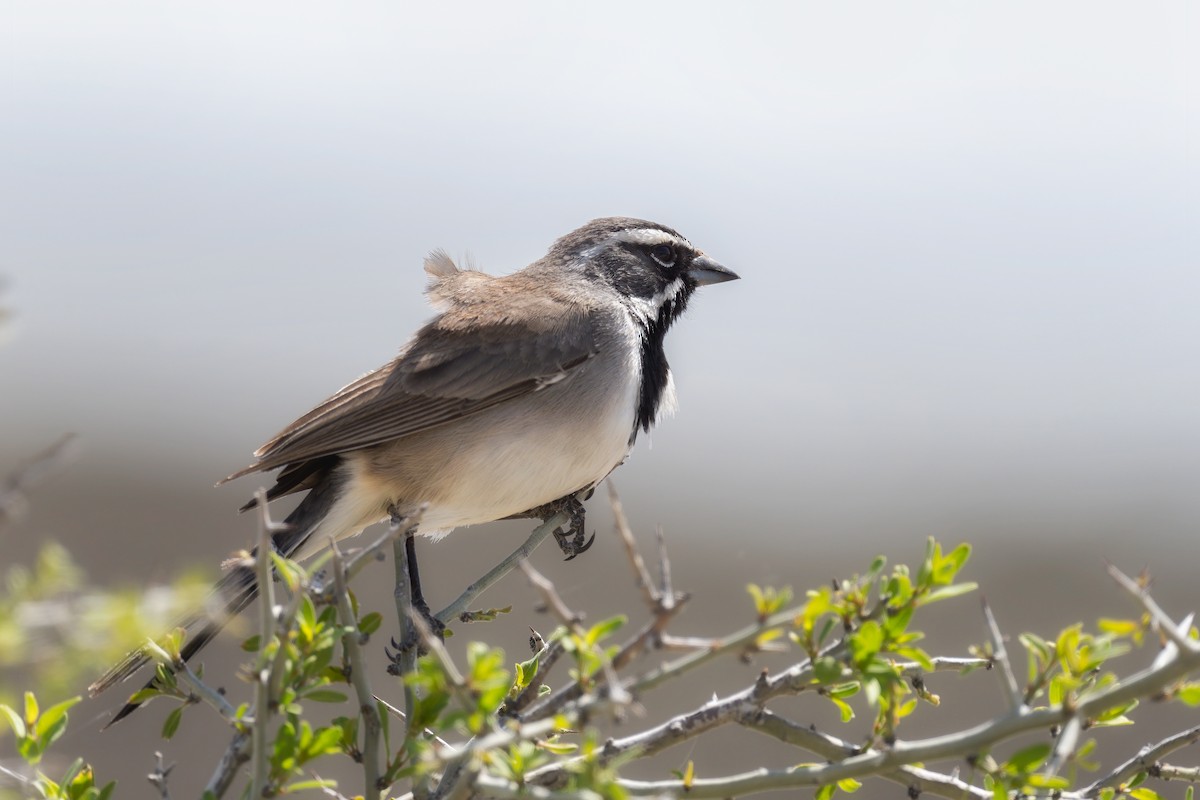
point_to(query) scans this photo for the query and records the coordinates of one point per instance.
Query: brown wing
(455, 366)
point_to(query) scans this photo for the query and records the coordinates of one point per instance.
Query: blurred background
(968, 238)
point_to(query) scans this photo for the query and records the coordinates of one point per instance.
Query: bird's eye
(664, 254)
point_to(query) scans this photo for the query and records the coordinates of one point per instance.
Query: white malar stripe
(668, 292)
(646, 309)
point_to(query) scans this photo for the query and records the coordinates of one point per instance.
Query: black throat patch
(656, 372)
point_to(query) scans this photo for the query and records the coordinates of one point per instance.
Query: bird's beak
(704, 271)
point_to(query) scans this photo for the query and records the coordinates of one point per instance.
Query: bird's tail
(233, 592)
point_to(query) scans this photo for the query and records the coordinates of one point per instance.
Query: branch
(1015, 697)
(830, 747)
(456, 609)
(266, 618)
(1145, 759)
(236, 754)
(1164, 623)
(372, 727)
(636, 563)
(158, 778)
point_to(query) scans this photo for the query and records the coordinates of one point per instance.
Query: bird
(522, 394)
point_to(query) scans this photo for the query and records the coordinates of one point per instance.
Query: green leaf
(948, 565)
(848, 785)
(325, 696)
(53, 721)
(1145, 793)
(605, 627)
(326, 740)
(826, 669)
(947, 592)
(844, 708)
(844, 690)
(925, 573)
(31, 709)
(918, 655)
(871, 691)
(172, 723)
(1119, 627)
(866, 642)
(142, 695)
(826, 791)
(526, 671)
(876, 569)
(315, 783)
(370, 622)
(14, 721)
(1030, 758)
(1189, 694)
(896, 623)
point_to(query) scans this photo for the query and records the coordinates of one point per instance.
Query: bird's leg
(435, 626)
(571, 541)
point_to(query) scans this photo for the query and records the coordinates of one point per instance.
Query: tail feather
(234, 591)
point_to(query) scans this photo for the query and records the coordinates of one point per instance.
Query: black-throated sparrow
(522, 394)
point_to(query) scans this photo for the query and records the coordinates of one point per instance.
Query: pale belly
(494, 464)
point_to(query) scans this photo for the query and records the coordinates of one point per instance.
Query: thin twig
(832, 748)
(1145, 758)
(372, 727)
(550, 596)
(942, 664)
(1064, 746)
(666, 591)
(736, 641)
(1016, 698)
(185, 674)
(636, 562)
(1164, 623)
(1168, 772)
(262, 672)
(455, 609)
(400, 715)
(158, 778)
(235, 755)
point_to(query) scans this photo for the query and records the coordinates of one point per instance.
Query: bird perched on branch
(522, 394)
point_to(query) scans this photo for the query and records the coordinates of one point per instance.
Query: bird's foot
(435, 628)
(572, 541)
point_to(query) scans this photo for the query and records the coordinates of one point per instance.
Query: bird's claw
(575, 544)
(572, 541)
(413, 639)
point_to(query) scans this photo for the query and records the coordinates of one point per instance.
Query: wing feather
(454, 367)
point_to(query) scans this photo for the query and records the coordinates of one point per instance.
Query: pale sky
(967, 233)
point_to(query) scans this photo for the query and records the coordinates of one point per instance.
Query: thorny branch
(894, 760)
(456, 770)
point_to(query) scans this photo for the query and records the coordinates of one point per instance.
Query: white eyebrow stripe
(648, 236)
(638, 236)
